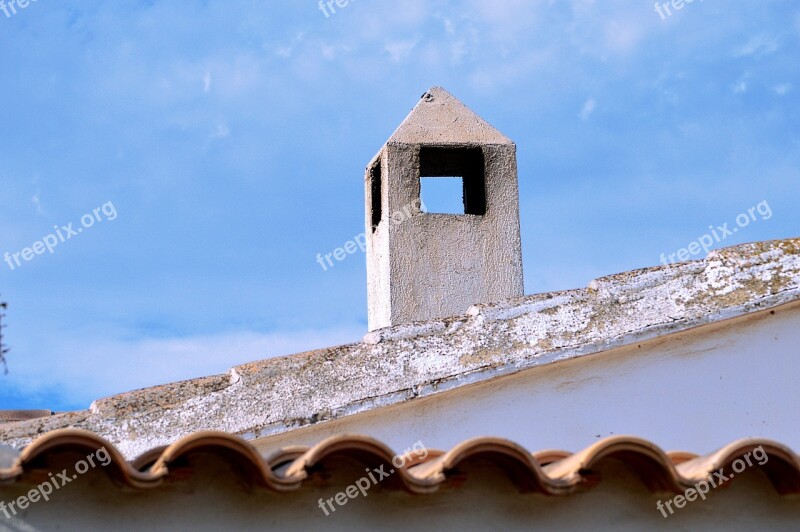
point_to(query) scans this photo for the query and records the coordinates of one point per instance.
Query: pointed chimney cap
(440, 119)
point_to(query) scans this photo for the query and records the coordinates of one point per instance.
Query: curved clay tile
(222, 443)
(549, 472)
(645, 458)
(780, 463)
(519, 464)
(361, 448)
(70, 440)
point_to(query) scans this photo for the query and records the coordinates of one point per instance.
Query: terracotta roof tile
(549, 472)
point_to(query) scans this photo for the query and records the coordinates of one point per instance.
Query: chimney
(423, 265)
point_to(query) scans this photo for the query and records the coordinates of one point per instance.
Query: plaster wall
(211, 497)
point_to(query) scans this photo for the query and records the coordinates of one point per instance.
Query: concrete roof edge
(401, 363)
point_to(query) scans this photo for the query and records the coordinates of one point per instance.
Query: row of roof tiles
(549, 472)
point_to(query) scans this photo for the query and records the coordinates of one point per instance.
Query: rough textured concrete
(406, 362)
(422, 266)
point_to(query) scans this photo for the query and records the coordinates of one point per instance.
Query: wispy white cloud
(782, 89)
(623, 35)
(449, 26)
(222, 131)
(758, 46)
(37, 202)
(399, 50)
(588, 108)
(286, 50)
(742, 84)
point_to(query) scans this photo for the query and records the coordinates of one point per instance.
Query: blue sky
(230, 138)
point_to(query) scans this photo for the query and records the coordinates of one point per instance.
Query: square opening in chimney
(452, 180)
(375, 186)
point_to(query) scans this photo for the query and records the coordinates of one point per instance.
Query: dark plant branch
(3, 348)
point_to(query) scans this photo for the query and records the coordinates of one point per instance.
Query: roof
(287, 469)
(8, 416)
(403, 363)
(441, 119)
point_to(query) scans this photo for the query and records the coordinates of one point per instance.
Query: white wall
(693, 391)
(213, 499)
